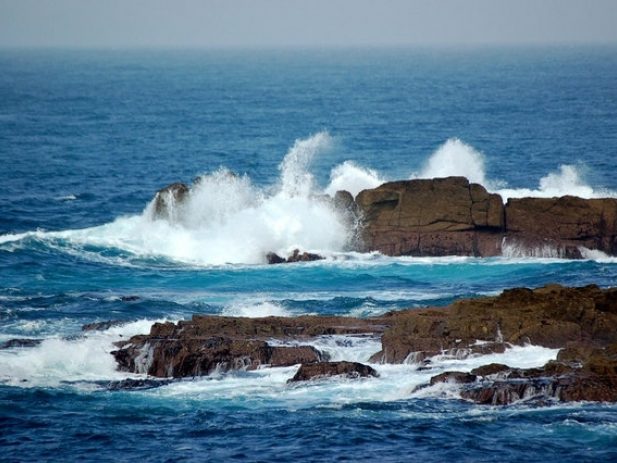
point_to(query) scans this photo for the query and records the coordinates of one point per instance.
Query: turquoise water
(87, 137)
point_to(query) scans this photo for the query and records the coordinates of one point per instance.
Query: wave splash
(226, 219)
(456, 158)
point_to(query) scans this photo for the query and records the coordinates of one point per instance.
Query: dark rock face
(20, 342)
(445, 216)
(295, 256)
(102, 326)
(350, 370)
(131, 384)
(450, 216)
(552, 316)
(168, 199)
(208, 344)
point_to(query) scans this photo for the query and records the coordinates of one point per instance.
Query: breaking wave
(226, 219)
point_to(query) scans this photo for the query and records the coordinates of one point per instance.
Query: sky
(311, 23)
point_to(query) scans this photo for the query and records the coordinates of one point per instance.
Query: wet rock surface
(551, 316)
(582, 322)
(208, 344)
(351, 370)
(295, 256)
(20, 343)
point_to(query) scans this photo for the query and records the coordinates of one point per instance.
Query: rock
(594, 380)
(102, 326)
(20, 343)
(551, 316)
(491, 369)
(457, 377)
(320, 370)
(563, 224)
(274, 258)
(431, 217)
(167, 201)
(132, 384)
(451, 216)
(295, 256)
(208, 344)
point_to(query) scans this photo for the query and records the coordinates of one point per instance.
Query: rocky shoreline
(581, 322)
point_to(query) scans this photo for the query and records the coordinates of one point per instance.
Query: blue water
(87, 137)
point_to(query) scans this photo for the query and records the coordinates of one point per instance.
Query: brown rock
(552, 316)
(326, 369)
(564, 223)
(446, 216)
(208, 344)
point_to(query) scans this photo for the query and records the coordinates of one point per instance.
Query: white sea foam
(260, 309)
(455, 158)
(228, 220)
(58, 360)
(353, 178)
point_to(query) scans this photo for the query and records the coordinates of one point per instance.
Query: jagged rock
(551, 316)
(351, 370)
(20, 342)
(295, 256)
(457, 377)
(593, 380)
(491, 369)
(444, 216)
(168, 199)
(208, 344)
(274, 258)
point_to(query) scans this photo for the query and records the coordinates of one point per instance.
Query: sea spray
(455, 158)
(353, 178)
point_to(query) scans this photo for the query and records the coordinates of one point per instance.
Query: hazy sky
(265, 23)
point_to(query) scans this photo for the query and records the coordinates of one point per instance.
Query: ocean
(87, 137)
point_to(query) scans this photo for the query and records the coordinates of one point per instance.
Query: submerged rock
(350, 370)
(131, 384)
(102, 326)
(20, 343)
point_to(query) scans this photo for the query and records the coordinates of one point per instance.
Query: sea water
(86, 139)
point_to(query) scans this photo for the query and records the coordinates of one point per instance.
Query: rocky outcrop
(445, 216)
(167, 200)
(563, 224)
(351, 370)
(208, 344)
(451, 216)
(295, 256)
(552, 316)
(589, 376)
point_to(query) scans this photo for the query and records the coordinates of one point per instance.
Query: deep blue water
(87, 137)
